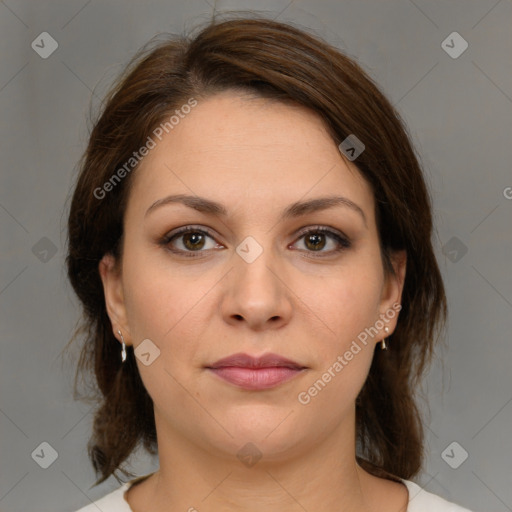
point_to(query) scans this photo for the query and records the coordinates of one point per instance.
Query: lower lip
(255, 378)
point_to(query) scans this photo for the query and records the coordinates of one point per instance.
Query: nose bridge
(253, 264)
(256, 291)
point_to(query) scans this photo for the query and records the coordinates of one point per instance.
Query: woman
(250, 237)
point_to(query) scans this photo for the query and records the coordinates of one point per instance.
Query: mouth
(256, 373)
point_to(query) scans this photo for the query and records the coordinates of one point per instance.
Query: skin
(256, 157)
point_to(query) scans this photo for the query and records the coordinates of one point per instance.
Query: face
(268, 269)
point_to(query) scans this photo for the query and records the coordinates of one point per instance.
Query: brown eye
(315, 240)
(190, 241)
(193, 241)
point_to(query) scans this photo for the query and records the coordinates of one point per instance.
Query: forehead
(235, 147)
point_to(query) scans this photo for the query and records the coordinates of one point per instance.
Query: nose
(257, 294)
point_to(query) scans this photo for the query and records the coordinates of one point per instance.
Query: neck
(322, 476)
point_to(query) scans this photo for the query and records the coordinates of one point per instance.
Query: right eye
(189, 240)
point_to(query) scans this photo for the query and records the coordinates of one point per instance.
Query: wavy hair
(279, 61)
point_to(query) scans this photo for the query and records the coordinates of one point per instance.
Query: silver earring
(383, 345)
(123, 349)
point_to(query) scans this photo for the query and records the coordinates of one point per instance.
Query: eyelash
(343, 242)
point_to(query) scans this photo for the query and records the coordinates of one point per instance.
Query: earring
(123, 349)
(383, 345)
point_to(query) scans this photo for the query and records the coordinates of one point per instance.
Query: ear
(114, 297)
(391, 296)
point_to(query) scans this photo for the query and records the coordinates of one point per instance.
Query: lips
(256, 373)
(241, 360)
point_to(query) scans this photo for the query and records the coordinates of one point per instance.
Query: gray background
(458, 111)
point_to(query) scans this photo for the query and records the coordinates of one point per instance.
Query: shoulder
(424, 501)
(114, 502)
(419, 501)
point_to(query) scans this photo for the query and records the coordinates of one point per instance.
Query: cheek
(155, 297)
(346, 307)
(346, 301)
(344, 350)
(160, 307)
(150, 305)
(168, 307)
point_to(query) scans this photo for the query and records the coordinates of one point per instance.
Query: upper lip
(247, 361)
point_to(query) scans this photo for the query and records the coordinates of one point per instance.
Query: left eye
(316, 239)
(193, 240)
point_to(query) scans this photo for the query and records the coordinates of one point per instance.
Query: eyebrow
(297, 209)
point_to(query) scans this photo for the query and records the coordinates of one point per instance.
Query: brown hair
(277, 61)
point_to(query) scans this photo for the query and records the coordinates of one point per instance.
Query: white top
(419, 501)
